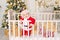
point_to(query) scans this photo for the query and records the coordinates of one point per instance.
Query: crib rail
(38, 16)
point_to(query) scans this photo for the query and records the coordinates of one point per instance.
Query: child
(25, 17)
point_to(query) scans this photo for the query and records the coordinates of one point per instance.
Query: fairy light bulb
(18, 6)
(18, 2)
(14, 3)
(10, 3)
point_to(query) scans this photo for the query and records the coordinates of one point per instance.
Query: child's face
(25, 15)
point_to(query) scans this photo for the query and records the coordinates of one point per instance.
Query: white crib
(37, 36)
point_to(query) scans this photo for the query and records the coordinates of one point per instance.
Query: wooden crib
(44, 25)
(42, 30)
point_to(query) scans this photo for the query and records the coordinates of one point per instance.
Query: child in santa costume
(27, 23)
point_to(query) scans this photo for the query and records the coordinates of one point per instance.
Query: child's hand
(31, 25)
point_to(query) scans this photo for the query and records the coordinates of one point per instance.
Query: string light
(18, 6)
(18, 2)
(10, 3)
(14, 4)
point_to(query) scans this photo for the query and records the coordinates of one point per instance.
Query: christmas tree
(16, 5)
(4, 22)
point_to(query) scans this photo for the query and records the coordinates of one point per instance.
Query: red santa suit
(32, 21)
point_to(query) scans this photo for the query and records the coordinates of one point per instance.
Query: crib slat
(14, 28)
(18, 30)
(51, 28)
(9, 30)
(33, 30)
(28, 30)
(37, 29)
(9, 25)
(56, 27)
(42, 30)
(47, 30)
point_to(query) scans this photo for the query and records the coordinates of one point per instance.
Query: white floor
(2, 37)
(34, 38)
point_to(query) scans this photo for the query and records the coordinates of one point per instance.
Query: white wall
(30, 5)
(33, 6)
